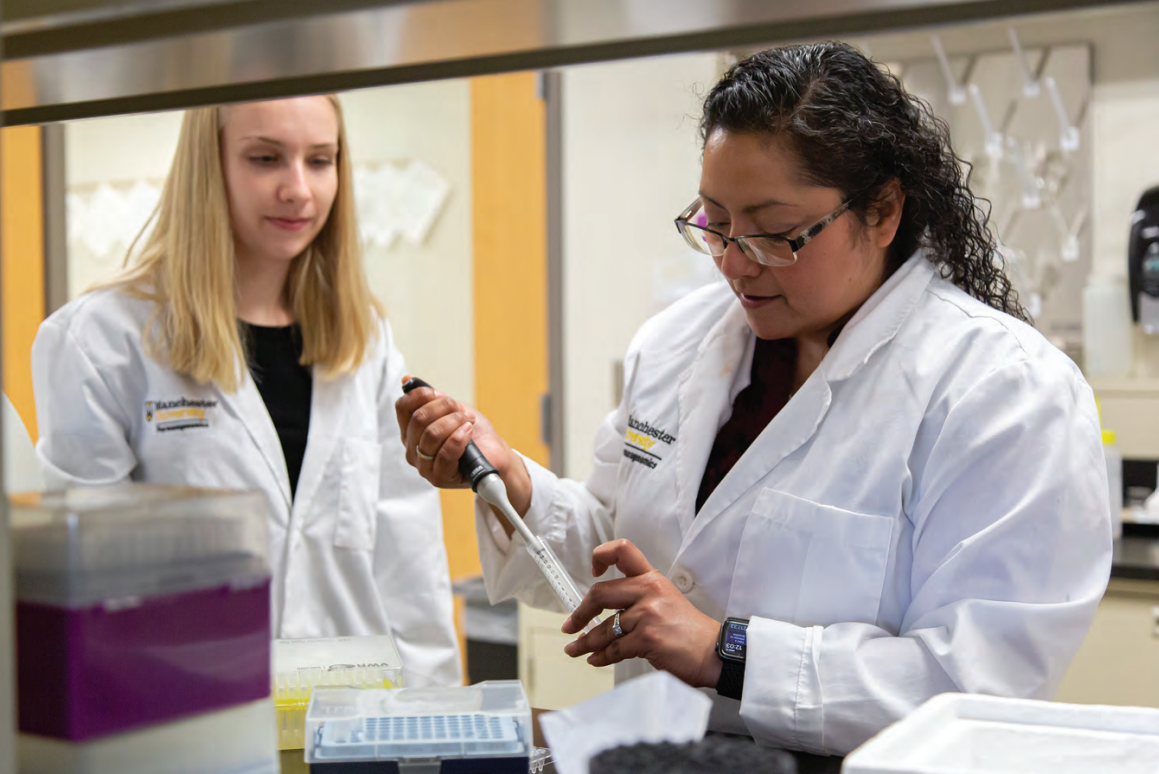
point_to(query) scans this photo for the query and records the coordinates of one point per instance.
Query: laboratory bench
(1137, 553)
(292, 763)
(1118, 663)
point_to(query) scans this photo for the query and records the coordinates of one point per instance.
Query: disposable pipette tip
(493, 491)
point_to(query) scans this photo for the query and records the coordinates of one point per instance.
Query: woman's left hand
(658, 622)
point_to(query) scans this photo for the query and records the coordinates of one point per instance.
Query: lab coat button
(683, 581)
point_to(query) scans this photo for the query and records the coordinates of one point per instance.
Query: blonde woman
(241, 348)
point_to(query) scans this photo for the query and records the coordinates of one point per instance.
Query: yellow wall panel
(509, 213)
(509, 163)
(21, 262)
(510, 275)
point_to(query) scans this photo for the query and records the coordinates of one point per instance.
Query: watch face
(734, 640)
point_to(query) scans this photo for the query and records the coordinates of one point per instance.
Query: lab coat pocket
(810, 564)
(361, 464)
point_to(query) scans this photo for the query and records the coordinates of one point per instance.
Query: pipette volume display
(486, 482)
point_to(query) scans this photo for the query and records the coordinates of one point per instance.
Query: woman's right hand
(437, 426)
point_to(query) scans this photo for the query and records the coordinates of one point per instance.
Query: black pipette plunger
(473, 466)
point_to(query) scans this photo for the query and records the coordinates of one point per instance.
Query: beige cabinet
(1119, 660)
(552, 679)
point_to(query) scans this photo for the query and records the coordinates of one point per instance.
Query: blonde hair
(186, 267)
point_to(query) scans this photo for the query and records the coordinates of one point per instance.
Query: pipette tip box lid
(455, 730)
(302, 665)
(138, 605)
(955, 733)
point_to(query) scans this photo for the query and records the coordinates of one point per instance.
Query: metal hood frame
(68, 59)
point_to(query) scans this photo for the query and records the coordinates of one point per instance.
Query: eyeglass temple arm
(689, 209)
(805, 236)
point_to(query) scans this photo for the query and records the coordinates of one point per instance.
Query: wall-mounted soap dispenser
(1143, 262)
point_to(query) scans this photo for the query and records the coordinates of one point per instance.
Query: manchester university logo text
(178, 414)
(645, 444)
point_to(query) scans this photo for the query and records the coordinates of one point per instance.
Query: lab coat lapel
(879, 318)
(706, 391)
(792, 427)
(326, 409)
(249, 408)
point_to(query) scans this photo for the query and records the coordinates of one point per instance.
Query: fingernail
(592, 659)
(438, 394)
(465, 429)
(570, 649)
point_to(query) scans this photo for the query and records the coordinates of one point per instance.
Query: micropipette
(486, 483)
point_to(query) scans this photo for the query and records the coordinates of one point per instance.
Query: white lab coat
(359, 550)
(21, 470)
(927, 514)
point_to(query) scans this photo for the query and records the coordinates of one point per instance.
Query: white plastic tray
(967, 734)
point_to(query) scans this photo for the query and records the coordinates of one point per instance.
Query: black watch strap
(731, 684)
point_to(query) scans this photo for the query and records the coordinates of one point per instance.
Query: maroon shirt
(770, 387)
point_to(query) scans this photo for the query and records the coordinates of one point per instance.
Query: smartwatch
(731, 648)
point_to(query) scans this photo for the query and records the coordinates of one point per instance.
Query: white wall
(114, 150)
(427, 289)
(631, 163)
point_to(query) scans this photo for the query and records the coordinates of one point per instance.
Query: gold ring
(422, 456)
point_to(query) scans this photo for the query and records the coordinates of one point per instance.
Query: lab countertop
(1136, 556)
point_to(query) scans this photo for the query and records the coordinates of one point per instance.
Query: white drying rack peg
(994, 141)
(1030, 86)
(1031, 194)
(1069, 232)
(1068, 132)
(957, 94)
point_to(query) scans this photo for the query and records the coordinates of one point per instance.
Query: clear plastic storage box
(83, 546)
(447, 730)
(138, 605)
(968, 734)
(300, 666)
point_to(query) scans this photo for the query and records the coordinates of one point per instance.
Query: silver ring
(616, 630)
(419, 452)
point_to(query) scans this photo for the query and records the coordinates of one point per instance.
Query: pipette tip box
(455, 730)
(302, 665)
(138, 605)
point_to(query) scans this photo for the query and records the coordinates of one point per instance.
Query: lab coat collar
(878, 320)
(706, 391)
(706, 401)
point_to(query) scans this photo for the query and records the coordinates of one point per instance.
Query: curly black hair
(855, 128)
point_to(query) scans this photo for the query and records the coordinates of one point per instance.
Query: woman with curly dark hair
(849, 479)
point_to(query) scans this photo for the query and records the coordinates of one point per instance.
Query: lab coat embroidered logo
(179, 414)
(642, 443)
